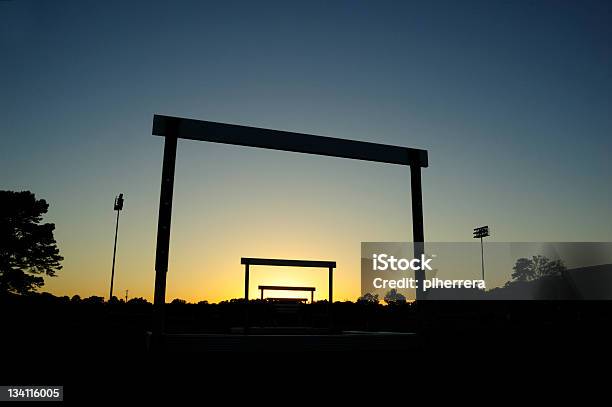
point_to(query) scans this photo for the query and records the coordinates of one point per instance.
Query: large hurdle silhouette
(173, 128)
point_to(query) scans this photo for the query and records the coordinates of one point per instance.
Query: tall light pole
(118, 208)
(481, 232)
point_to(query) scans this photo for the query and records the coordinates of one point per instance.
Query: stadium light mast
(481, 232)
(118, 208)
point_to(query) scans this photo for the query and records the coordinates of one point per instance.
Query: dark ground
(98, 349)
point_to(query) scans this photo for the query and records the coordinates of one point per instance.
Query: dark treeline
(69, 323)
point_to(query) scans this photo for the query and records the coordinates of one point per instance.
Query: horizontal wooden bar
(170, 126)
(285, 288)
(289, 263)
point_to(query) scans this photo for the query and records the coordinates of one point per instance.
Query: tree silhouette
(536, 267)
(393, 297)
(94, 299)
(137, 300)
(368, 298)
(27, 246)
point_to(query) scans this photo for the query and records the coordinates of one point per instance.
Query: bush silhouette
(368, 298)
(393, 297)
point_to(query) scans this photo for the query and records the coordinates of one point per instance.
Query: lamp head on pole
(480, 232)
(119, 202)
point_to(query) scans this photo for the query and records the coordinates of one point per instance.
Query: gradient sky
(512, 99)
